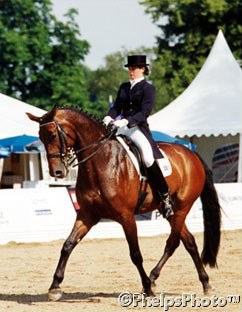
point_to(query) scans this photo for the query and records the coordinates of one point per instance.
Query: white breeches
(140, 140)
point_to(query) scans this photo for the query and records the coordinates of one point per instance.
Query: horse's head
(58, 137)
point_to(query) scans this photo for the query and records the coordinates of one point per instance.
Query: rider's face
(136, 72)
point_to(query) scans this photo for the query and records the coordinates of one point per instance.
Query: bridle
(67, 154)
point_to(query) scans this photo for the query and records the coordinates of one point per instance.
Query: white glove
(107, 120)
(120, 123)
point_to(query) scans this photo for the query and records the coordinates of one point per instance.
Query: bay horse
(108, 184)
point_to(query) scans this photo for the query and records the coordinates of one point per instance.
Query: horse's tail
(212, 219)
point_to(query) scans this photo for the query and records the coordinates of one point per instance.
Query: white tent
(209, 111)
(13, 120)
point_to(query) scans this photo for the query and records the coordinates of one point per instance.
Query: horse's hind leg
(130, 230)
(190, 245)
(79, 230)
(172, 243)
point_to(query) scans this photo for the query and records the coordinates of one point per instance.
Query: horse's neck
(88, 129)
(94, 137)
(89, 132)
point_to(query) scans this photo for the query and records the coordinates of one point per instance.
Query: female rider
(134, 103)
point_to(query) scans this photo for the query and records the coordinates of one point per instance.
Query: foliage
(104, 81)
(41, 58)
(188, 30)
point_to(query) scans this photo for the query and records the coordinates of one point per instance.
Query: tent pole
(34, 167)
(240, 159)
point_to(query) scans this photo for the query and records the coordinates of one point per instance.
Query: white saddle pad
(163, 163)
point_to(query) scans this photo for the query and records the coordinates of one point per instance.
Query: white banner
(35, 215)
(45, 214)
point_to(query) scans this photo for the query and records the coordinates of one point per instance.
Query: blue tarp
(18, 143)
(162, 137)
(15, 144)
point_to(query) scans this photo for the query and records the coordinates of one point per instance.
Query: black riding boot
(159, 184)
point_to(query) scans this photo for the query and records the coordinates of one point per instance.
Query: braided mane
(48, 117)
(85, 112)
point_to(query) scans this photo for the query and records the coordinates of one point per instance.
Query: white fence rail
(38, 215)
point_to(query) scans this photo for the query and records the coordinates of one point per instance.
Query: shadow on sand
(67, 297)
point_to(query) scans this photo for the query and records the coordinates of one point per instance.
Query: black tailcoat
(135, 105)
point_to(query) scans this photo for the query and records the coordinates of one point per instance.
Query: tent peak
(213, 95)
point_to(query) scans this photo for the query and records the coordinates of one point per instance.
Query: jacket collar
(135, 81)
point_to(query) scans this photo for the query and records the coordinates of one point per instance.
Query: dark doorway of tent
(225, 163)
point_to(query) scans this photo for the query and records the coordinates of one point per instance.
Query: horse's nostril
(58, 173)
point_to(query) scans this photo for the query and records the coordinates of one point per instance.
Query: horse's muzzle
(59, 171)
(59, 174)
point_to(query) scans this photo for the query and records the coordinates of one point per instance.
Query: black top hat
(136, 60)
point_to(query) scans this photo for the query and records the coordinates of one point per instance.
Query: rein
(104, 139)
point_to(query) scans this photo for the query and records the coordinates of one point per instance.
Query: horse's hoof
(54, 294)
(208, 290)
(148, 293)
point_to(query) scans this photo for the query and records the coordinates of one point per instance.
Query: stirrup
(167, 210)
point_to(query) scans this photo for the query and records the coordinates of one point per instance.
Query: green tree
(188, 30)
(41, 58)
(104, 82)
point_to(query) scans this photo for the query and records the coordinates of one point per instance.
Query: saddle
(136, 152)
(138, 162)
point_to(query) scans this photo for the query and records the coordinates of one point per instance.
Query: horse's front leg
(80, 229)
(130, 230)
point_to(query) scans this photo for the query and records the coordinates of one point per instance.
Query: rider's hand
(107, 120)
(121, 123)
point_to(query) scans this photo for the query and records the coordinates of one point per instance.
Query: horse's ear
(51, 113)
(48, 116)
(33, 117)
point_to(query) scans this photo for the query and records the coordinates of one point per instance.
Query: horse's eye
(52, 136)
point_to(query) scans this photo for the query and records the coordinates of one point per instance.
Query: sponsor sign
(35, 215)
